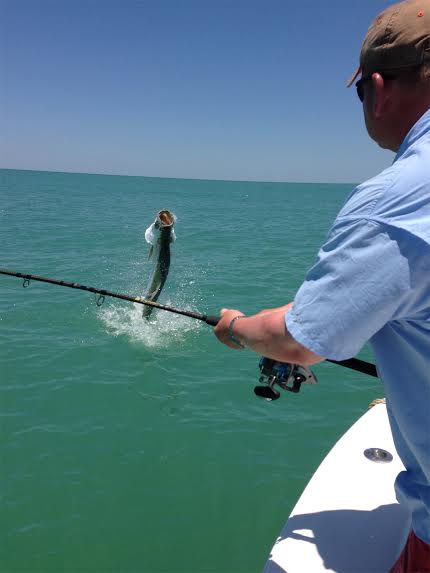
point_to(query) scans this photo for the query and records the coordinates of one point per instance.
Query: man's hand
(221, 329)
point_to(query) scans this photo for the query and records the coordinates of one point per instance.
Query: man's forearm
(266, 334)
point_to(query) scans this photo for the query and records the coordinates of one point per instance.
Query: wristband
(231, 335)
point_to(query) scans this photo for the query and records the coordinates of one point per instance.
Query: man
(371, 280)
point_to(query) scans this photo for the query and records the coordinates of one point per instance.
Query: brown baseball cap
(398, 38)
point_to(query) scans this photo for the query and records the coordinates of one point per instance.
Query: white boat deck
(347, 519)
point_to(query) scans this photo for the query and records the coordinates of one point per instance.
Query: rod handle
(358, 365)
(212, 320)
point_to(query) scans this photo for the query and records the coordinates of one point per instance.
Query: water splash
(164, 329)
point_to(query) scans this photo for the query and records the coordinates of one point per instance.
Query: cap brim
(354, 77)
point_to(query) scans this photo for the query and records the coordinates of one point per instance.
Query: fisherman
(371, 279)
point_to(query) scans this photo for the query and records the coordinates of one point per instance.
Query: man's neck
(407, 118)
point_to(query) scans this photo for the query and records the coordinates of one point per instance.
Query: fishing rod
(211, 320)
(273, 373)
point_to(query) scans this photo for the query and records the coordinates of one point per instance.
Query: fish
(160, 235)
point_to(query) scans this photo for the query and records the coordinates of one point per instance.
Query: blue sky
(212, 89)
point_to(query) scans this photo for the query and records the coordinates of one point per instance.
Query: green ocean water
(129, 446)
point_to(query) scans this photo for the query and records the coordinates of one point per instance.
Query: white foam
(160, 331)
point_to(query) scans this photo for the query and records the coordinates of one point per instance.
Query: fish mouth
(166, 218)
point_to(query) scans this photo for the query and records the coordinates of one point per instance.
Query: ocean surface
(134, 446)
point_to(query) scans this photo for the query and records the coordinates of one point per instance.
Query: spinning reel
(287, 376)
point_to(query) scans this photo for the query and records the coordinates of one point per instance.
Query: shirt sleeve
(355, 287)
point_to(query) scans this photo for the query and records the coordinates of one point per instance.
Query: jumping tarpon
(159, 235)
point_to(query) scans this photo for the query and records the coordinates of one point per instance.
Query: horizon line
(180, 178)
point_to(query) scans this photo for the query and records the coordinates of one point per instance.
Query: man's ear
(380, 99)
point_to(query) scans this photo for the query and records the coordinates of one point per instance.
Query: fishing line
(211, 320)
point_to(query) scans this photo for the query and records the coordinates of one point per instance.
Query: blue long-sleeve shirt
(371, 282)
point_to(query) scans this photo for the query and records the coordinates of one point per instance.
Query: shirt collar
(417, 131)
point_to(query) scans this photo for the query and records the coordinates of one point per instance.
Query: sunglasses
(389, 76)
(360, 87)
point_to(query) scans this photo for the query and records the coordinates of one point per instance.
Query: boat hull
(348, 518)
